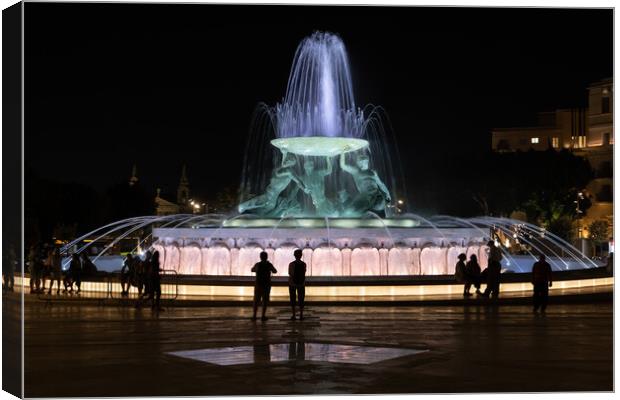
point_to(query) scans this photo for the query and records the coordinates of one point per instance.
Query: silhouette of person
(32, 268)
(8, 268)
(459, 273)
(55, 261)
(494, 270)
(155, 280)
(75, 270)
(262, 286)
(472, 274)
(146, 273)
(296, 283)
(126, 274)
(541, 280)
(44, 266)
(88, 268)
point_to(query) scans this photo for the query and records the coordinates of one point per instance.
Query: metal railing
(169, 289)
(103, 288)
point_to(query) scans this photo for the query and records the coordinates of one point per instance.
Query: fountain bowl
(323, 146)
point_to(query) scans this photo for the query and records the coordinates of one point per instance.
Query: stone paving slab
(84, 350)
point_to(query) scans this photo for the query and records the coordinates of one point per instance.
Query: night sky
(110, 85)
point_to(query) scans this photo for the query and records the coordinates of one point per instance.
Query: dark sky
(110, 85)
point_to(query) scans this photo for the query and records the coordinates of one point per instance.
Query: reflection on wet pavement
(124, 351)
(297, 351)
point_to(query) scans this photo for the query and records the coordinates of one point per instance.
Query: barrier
(169, 289)
(107, 287)
(96, 288)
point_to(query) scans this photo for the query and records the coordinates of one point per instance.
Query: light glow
(334, 292)
(319, 145)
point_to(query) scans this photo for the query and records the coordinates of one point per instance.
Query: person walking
(459, 274)
(494, 270)
(296, 283)
(541, 280)
(262, 287)
(472, 274)
(55, 263)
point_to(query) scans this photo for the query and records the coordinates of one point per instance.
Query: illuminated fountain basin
(319, 146)
(215, 245)
(327, 252)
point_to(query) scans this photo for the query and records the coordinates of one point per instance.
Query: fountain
(327, 157)
(321, 175)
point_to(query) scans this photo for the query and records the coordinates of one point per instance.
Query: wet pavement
(86, 350)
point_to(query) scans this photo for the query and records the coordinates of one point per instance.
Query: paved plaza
(86, 350)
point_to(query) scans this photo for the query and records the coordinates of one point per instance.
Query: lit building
(587, 133)
(558, 129)
(599, 152)
(163, 206)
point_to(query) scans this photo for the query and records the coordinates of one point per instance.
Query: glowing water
(316, 123)
(319, 98)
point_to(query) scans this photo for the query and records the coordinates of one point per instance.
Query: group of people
(143, 274)
(45, 261)
(470, 274)
(296, 284)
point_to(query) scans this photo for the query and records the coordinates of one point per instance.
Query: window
(523, 141)
(555, 142)
(578, 141)
(534, 140)
(605, 105)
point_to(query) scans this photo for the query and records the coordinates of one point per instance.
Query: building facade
(588, 133)
(184, 203)
(560, 129)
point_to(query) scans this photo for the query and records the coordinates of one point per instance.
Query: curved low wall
(322, 261)
(337, 251)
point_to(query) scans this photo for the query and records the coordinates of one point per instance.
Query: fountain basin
(321, 223)
(333, 251)
(322, 146)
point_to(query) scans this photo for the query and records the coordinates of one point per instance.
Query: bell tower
(183, 189)
(134, 176)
